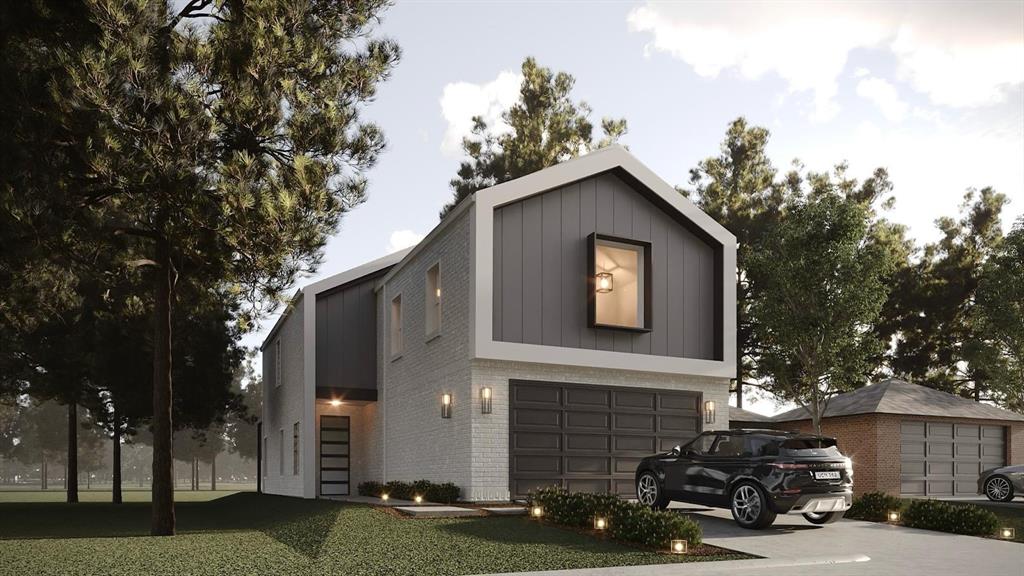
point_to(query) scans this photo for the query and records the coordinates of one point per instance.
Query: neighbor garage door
(591, 438)
(946, 458)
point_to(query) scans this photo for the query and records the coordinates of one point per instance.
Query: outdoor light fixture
(335, 402)
(604, 282)
(384, 497)
(446, 406)
(438, 293)
(677, 546)
(1007, 533)
(600, 523)
(536, 511)
(485, 400)
(709, 412)
(893, 516)
(418, 499)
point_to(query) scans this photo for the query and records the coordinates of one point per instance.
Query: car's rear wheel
(750, 507)
(998, 489)
(649, 492)
(823, 517)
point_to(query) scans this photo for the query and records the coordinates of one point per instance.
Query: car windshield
(809, 447)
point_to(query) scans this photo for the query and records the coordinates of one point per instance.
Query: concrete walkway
(795, 547)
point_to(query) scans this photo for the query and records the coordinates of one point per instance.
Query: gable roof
(741, 415)
(899, 397)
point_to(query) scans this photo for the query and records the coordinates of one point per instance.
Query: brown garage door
(591, 438)
(946, 458)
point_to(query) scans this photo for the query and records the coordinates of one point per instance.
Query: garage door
(591, 438)
(946, 458)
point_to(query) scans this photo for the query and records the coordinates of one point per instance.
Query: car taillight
(788, 466)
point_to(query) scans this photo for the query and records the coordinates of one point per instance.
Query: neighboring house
(553, 329)
(909, 440)
(740, 418)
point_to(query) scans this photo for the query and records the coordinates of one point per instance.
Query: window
(264, 456)
(280, 454)
(433, 303)
(295, 449)
(396, 326)
(729, 446)
(277, 362)
(620, 290)
(701, 444)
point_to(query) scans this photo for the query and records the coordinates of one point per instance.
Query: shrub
(946, 517)
(443, 493)
(627, 521)
(874, 507)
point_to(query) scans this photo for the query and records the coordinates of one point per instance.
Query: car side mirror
(677, 450)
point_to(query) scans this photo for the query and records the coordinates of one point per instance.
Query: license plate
(829, 475)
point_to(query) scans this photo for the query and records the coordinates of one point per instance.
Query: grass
(247, 533)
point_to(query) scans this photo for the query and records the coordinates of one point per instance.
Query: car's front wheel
(998, 489)
(823, 517)
(750, 508)
(649, 492)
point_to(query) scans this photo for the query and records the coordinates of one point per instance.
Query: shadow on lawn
(302, 525)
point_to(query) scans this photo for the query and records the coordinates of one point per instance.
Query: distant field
(135, 495)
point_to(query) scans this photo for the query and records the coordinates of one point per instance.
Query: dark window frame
(592, 241)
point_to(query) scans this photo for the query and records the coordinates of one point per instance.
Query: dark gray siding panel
(346, 336)
(540, 271)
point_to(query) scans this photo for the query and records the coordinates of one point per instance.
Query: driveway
(795, 547)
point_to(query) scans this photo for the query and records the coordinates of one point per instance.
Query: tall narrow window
(265, 455)
(277, 362)
(396, 326)
(619, 287)
(433, 303)
(295, 449)
(280, 453)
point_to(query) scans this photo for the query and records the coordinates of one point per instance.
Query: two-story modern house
(553, 329)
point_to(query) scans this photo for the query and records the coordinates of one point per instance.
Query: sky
(932, 91)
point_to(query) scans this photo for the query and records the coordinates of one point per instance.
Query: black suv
(755, 473)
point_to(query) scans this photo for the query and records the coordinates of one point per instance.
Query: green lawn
(247, 533)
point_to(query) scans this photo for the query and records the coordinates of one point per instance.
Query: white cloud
(958, 54)
(403, 239)
(885, 96)
(461, 101)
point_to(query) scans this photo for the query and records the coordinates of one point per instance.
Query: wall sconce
(1007, 533)
(485, 400)
(709, 412)
(536, 511)
(446, 406)
(604, 282)
(893, 516)
(600, 523)
(677, 547)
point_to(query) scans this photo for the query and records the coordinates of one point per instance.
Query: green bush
(873, 507)
(946, 517)
(443, 493)
(627, 521)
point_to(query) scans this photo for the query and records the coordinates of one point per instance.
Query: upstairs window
(433, 303)
(395, 329)
(619, 286)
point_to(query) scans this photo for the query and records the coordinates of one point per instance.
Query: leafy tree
(931, 312)
(242, 438)
(820, 285)
(226, 153)
(42, 437)
(547, 127)
(999, 317)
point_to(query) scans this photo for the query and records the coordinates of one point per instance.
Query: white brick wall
(490, 461)
(418, 443)
(283, 406)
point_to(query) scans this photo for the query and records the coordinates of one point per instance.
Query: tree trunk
(195, 474)
(72, 467)
(42, 473)
(163, 451)
(115, 480)
(213, 473)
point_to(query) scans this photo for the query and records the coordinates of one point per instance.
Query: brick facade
(872, 441)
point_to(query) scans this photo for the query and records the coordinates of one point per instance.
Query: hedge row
(627, 521)
(926, 514)
(445, 493)
(874, 507)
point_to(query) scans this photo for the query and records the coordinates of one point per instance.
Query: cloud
(885, 96)
(957, 54)
(401, 239)
(461, 101)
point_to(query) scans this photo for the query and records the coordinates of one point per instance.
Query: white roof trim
(412, 252)
(357, 272)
